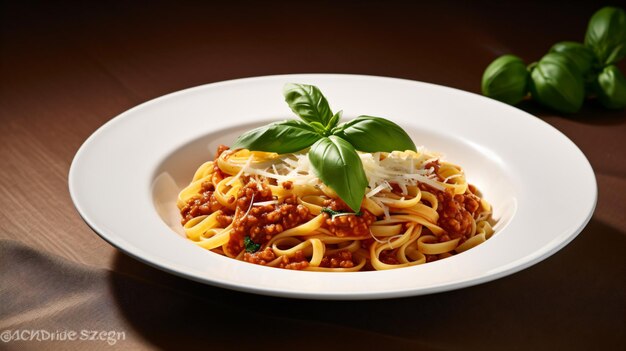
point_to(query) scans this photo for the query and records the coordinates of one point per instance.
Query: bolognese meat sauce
(296, 262)
(347, 225)
(456, 214)
(205, 203)
(201, 205)
(339, 259)
(263, 222)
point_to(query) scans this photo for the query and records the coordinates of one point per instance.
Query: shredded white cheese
(452, 177)
(342, 214)
(263, 203)
(379, 188)
(403, 168)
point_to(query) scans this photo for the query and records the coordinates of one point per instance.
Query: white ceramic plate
(125, 178)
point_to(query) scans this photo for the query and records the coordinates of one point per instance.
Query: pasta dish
(270, 209)
(315, 194)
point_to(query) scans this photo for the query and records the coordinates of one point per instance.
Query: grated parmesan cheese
(403, 168)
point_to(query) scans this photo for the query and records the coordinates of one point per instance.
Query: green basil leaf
(334, 120)
(373, 134)
(606, 34)
(338, 165)
(610, 88)
(580, 55)
(250, 245)
(332, 212)
(506, 80)
(308, 102)
(557, 83)
(281, 137)
(318, 128)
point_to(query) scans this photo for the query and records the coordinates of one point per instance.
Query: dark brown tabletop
(67, 67)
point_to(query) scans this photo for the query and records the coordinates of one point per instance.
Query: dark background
(67, 67)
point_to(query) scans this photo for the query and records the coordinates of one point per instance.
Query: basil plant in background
(610, 87)
(569, 72)
(333, 146)
(580, 55)
(606, 35)
(506, 79)
(556, 82)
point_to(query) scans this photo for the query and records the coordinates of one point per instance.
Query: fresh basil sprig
(606, 35)
(556, 83)
(570, 72)
(333, 148)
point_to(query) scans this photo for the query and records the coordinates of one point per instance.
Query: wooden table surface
(66, 68)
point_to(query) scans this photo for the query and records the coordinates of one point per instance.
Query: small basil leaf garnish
(281, 137)
(332, 212)
(337, 164)
(250, 245)
(334, 120)
(319, 128)
(308, 102)
(373, 134)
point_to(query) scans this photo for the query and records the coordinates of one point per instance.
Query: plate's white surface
(125, 178)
